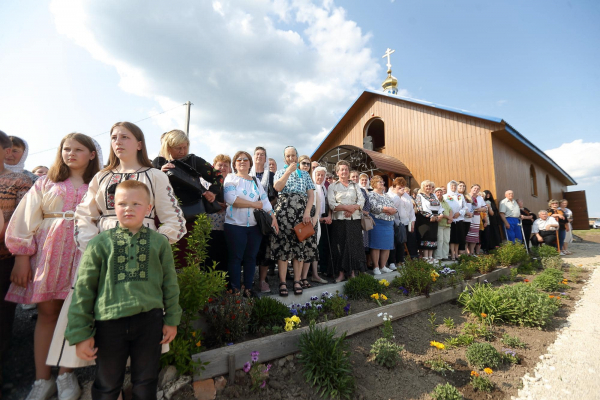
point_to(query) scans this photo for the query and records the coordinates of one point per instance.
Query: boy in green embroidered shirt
(126, 278)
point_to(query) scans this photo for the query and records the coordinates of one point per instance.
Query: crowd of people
(88, 243)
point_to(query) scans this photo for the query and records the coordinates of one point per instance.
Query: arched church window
(374, 135)
(533, 181)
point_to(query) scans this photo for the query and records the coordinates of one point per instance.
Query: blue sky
(283, 72)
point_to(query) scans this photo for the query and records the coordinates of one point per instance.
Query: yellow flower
(194, 334)
(384, 282)
(295, 319)
(474, 373)
(488, 371)
(375, 296)
(288, 327)
(383, 297)
(199, 343)
(437, 345)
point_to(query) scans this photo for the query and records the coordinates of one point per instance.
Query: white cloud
(258, 72)
(579, 159)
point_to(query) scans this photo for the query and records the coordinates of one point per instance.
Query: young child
(40, 236)
(15, 159)
(13, 187)
(40, 170)
(128, 160)
(126, 278)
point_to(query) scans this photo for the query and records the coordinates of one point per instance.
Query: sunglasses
(305, 163)
(242, 160)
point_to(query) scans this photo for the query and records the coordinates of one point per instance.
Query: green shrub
(550, 280)
(415, 277)
(468, 269)
(460, 340)
(446, 392)
(386, 353)
(449, 322)
(511, 253)
(336, 303)
(326, 363)
(197, 285)
(482, 384)
(229, 316)
(465, 258)
(267, 313)
(527, 267)
(544, 251)
(513, 341)
(362, 287)
(552, 262)
(514, 272)
(519, 304)
(510, 356)
(486, 263)
(483, 355)
(438, 365)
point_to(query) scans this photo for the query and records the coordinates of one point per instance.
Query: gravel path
(571, 366)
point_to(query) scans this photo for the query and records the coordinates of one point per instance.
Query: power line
(104, 133)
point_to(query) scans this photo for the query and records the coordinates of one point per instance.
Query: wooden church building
(389, 135)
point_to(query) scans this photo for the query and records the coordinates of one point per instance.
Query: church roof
(507, 128)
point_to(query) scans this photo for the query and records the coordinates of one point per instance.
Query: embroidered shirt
(235, 187)
(13, 187)
(378, 201)
(121, 275)
(428, 204)
(457, 203)
(296, 184)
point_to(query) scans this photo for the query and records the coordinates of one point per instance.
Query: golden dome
(390, 82)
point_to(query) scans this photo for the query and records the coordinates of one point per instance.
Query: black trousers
(549, 238)
(397, 255)
(138, 337)
(325, 255)
(7, 309)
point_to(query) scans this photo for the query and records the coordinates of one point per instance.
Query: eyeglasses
(305, 163)
(242, 160)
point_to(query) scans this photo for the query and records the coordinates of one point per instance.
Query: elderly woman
(457, 203)
(381, 237)
(477, 207)
(400, 195)
(260, 171)
(444, 225)
(323, 236)
(544, 230)
(175, 145)
(346, 201)
(294, 205)
(427, 219)
(569, 227)
(216, 243)
(559, 215)
(243, 195)
(312, 241)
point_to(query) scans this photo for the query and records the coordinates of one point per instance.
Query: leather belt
(67, 215)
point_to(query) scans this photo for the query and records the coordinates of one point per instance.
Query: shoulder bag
(366, 221)
(303, 232)
(263, 219)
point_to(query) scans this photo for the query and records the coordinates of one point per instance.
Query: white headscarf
(449, 192)
(20, 167)
(98, 153)
(368, 185)
(265, 178)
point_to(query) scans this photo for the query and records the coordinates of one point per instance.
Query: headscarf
(265, 178)
(298, 171)
(450, 192)
(367, 187)
(98, 153)
(20, 167)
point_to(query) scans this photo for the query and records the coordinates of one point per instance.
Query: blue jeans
(562, 234)
(137, 337)
(514, 232)
(243, 243)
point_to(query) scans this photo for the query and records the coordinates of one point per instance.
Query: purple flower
(254, 356)
(308, 305)
(347, 308)
(247, 367)
(294, 311)
(319, 307)
(314, 298)
(268, 368)
(404, 290)
(563, 294)
(262, 385)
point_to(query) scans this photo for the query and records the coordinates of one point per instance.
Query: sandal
(248, 293)
(297, 291)
(283, 291)
(304, 283)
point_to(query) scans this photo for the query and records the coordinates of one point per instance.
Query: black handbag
(399, 234)
(184, 176)
(191, 211)
(263, 219)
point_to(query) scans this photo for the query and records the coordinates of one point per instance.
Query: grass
(592, 235)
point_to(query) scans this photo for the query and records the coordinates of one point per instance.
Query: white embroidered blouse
(235, 187)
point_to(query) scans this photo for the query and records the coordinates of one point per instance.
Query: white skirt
(569, 234)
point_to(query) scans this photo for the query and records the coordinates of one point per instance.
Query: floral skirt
(346, 246)
(426, 233)
(285, 246)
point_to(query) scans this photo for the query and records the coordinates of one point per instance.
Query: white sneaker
(385, 270)
(376, 271)
(392, 267)
(42, 389)
(562, 253)
(68, 387)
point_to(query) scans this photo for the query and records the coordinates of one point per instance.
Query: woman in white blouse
(243, 195)
(459, 207)
(427, 219)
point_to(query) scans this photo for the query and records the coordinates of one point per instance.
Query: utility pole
(188, 105)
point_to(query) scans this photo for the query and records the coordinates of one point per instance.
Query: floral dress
(49, 241)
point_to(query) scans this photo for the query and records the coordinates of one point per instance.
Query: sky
(283, 72)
